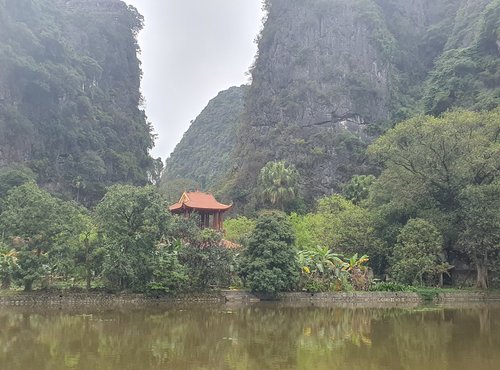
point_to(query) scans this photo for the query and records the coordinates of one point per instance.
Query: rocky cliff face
(331, 75)
(69, 94)
(321, 80)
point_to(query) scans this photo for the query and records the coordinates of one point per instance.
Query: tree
(90, 251)
(418, 253)
(132, 221)
(307, 230)
(278, 183)
(37, 225)
(11, 177)
(358, 188)
(269, 262)
(349, 229)
(428, 162)
(480, 235)
(169, 275)
(209, 264)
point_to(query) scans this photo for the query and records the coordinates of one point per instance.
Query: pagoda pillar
(215, 224)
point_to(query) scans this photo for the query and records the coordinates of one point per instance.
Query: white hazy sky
(191, 50)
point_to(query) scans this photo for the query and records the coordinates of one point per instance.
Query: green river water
(258, 336)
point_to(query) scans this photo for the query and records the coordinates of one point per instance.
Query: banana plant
(8, 263)
(358, 270)
(354, 262)
(320, 260)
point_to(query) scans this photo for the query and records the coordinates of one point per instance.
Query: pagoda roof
(198, 200)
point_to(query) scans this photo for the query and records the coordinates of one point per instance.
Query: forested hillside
(332, 75)
(203, 158)
(69, 95)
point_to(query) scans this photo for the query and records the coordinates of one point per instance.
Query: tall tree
(278, 183)
(270, 263)
(429, 161)
(132, 220)
(480, 235)
(418, 253)
(37, 225)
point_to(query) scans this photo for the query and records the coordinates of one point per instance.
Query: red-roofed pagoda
(203, 204)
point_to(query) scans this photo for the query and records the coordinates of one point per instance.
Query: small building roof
(198, 200)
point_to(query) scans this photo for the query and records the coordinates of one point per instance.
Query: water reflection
(263, 336)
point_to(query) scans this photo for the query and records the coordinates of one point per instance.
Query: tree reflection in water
(262, 336)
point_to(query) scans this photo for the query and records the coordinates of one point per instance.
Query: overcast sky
(191, 50)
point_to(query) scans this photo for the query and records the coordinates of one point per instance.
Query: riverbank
(64, 298)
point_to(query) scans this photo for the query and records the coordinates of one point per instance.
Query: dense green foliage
(208, 262)
(442, 170)
(69, 95)
(339, 224)
(480, 234)
(418, 253)
(435, 204)
(42, 229)
(238, 230)
(133, 220)
(269, 262)
(131, 243)
(323, 271)
(358, 188)
(332, 75)
(169, 275)
(468, 76)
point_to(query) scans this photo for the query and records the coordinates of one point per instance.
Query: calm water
(263, 336)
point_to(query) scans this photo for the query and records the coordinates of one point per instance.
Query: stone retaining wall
(43, 299)
(99, 299)
(384, 297)
(468, 297)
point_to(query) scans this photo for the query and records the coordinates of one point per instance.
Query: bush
(417, 253)
(169, 275)
(208, 263)
(269, 263)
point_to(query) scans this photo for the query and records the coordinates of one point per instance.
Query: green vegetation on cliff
(69, 95)
(332, 75)
(204, 156)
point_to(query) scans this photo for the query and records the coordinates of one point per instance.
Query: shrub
(169, 275)
(208, 263)
(269, 263)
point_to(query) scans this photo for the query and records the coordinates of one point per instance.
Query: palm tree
(278, 183)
